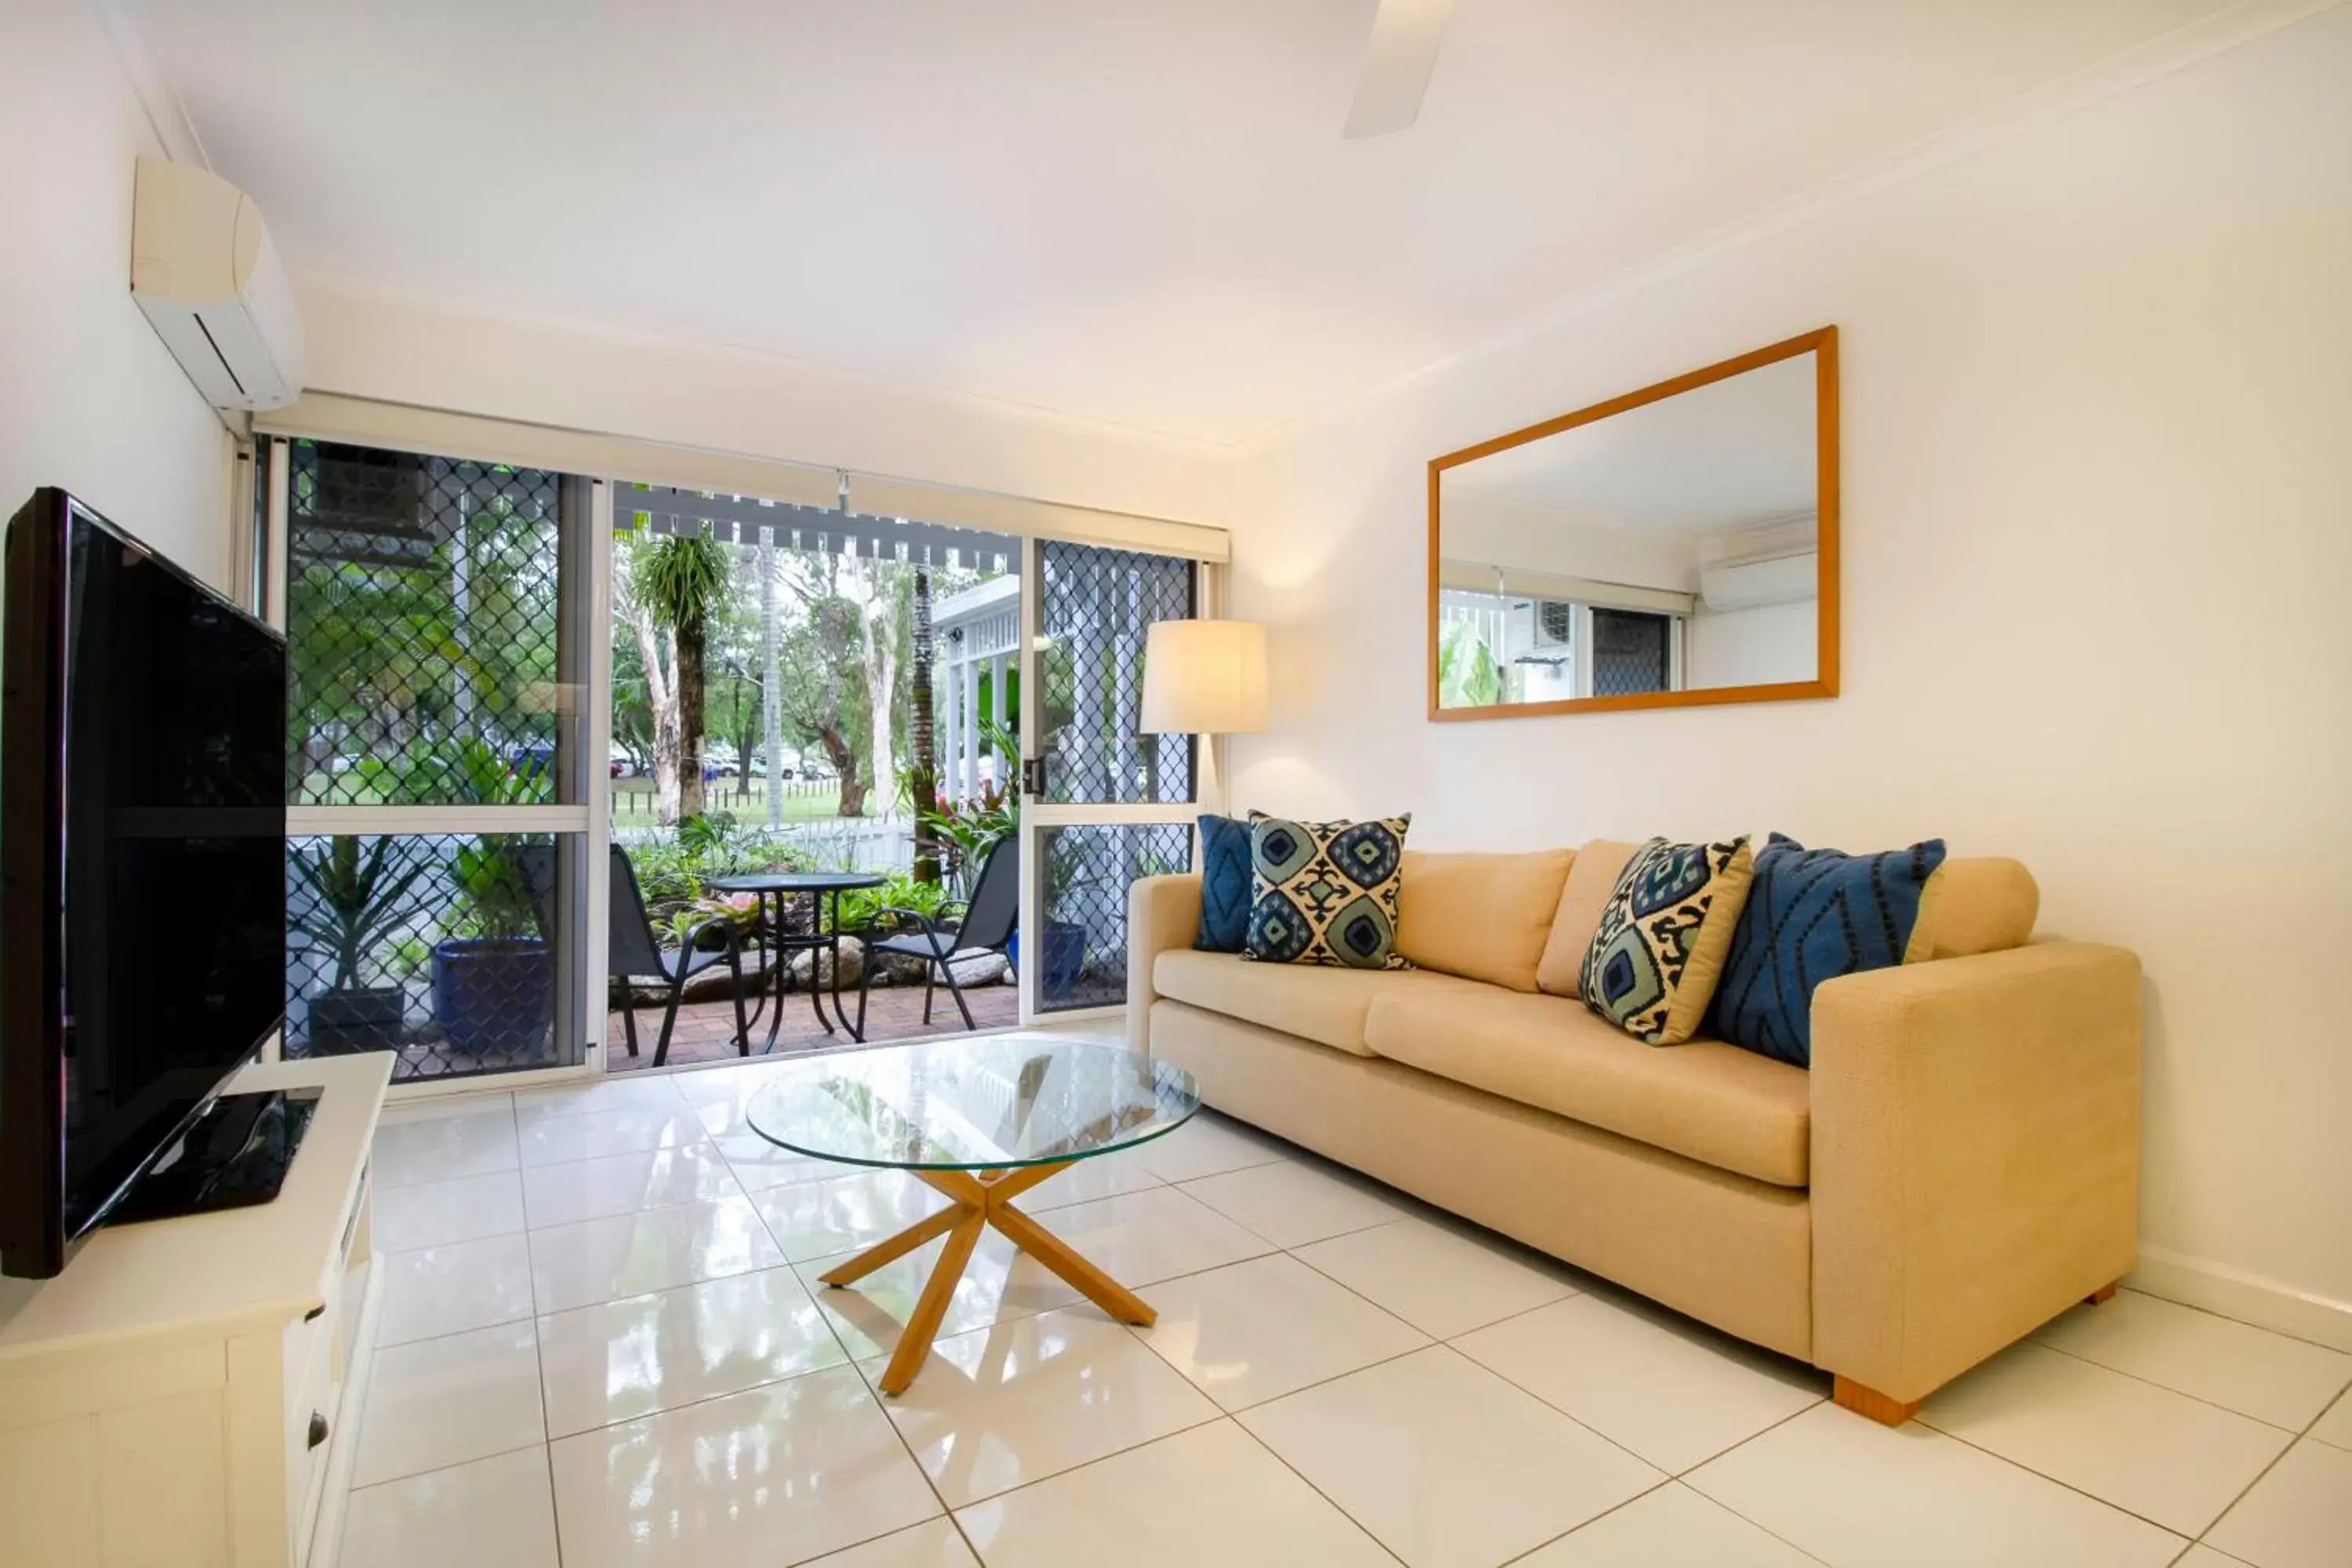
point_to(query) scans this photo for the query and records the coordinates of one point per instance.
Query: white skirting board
(2249, 1298)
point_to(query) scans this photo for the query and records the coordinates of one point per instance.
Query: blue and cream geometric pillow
(1325, 892)
(1652, 967)
(1813, 915)
(1224, 885)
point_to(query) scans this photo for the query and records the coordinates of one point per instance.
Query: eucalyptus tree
(674, 584)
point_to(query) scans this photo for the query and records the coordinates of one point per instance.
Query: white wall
(2098, 548)
(1751, 648)
(89, 398)
(370, 343)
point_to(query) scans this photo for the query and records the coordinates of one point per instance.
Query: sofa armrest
(1975, 1155)
(1161, 912)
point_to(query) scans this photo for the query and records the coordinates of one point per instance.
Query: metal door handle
(318, 1429)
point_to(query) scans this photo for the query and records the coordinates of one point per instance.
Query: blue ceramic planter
(1065, 959)
(493, 993)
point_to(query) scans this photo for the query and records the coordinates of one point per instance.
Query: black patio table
(822, 890)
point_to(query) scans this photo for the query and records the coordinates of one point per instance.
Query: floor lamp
(1205, 679)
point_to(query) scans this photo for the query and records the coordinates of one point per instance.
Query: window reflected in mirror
(1675, 546)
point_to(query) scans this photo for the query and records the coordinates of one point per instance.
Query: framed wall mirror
(1675, 546)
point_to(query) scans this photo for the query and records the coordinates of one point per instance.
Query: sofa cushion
(1983, 904)
(1325, 892)
(1483, 917)
(1704, 1099)
(1590, 879)
(1315, 1002)
(1654, 962)
(1224, 885)
(1813, 915)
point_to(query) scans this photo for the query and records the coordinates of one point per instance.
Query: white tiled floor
(604, 1342)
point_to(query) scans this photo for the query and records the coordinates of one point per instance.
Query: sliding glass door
(1104, 804)
(437, 613)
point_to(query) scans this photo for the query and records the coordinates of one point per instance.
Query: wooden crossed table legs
(978, 1202)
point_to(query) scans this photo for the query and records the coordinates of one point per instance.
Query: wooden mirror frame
(1824, 683)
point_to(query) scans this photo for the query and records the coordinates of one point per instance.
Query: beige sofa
(1960, 1164)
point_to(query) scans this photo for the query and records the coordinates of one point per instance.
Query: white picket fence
(838, 844)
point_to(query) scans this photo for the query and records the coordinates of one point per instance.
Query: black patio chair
(987, 924)
(633, 950)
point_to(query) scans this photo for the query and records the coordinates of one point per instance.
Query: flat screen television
(142, 865)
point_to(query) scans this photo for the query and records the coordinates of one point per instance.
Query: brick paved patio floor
(706, 1030)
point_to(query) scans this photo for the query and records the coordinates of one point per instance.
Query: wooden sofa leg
(2101, 1296)
(1864, 1401)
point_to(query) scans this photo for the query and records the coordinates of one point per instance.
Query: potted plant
(353, 901)
(494, 975)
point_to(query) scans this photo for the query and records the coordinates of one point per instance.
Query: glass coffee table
(982, 1121)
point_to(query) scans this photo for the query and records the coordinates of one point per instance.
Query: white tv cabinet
(184, 1394)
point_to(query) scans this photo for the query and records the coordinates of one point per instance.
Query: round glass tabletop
(795, 882)
(972, 1104)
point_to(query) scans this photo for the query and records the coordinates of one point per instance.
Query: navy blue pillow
(1224, 885)
(1812, 915)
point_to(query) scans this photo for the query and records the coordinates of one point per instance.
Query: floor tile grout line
(1308, 1482)
(1573, 1290)
(2294, 1439)
(2198, 1398)
(2060, 1481)
(1662, 1484)
(2297, 1441)
(354, 1490)
(1272, 1398)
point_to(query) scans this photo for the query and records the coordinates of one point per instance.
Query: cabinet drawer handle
(318, 1429)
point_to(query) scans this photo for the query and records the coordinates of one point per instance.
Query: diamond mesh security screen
(437, 946)
(1088, 870)
(1096, 609)
(1629, 652)
(422, 606)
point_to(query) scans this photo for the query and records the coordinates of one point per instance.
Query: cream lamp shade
(1205, 678)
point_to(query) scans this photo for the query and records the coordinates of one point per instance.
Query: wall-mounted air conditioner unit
(203, 270)
(1555, 623)
(1752, 585)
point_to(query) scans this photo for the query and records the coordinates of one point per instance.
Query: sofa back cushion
(1985, 903)
(1590, 879)
(1483, 917)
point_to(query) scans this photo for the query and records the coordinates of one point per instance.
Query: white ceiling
(1722, 456)
(1135, 211)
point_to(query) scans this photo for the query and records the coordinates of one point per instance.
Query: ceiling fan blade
(1397, 63)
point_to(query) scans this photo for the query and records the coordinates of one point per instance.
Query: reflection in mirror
(1670, 547)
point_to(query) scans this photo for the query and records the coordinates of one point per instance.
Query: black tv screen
(142, 865)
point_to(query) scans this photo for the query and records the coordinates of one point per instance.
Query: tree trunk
(689, 645)
(881, 681)
(661, 696)
(771, 708)
(843, 758)
(922, 746)
(880, 657)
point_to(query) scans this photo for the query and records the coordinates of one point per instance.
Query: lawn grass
(634, 798)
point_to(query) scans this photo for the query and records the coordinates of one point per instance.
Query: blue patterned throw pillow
(1224, 885)
(1325, 892)
(1813, 915)
(1652, 967)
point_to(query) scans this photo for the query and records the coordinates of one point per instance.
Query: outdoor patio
(706, 1030)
